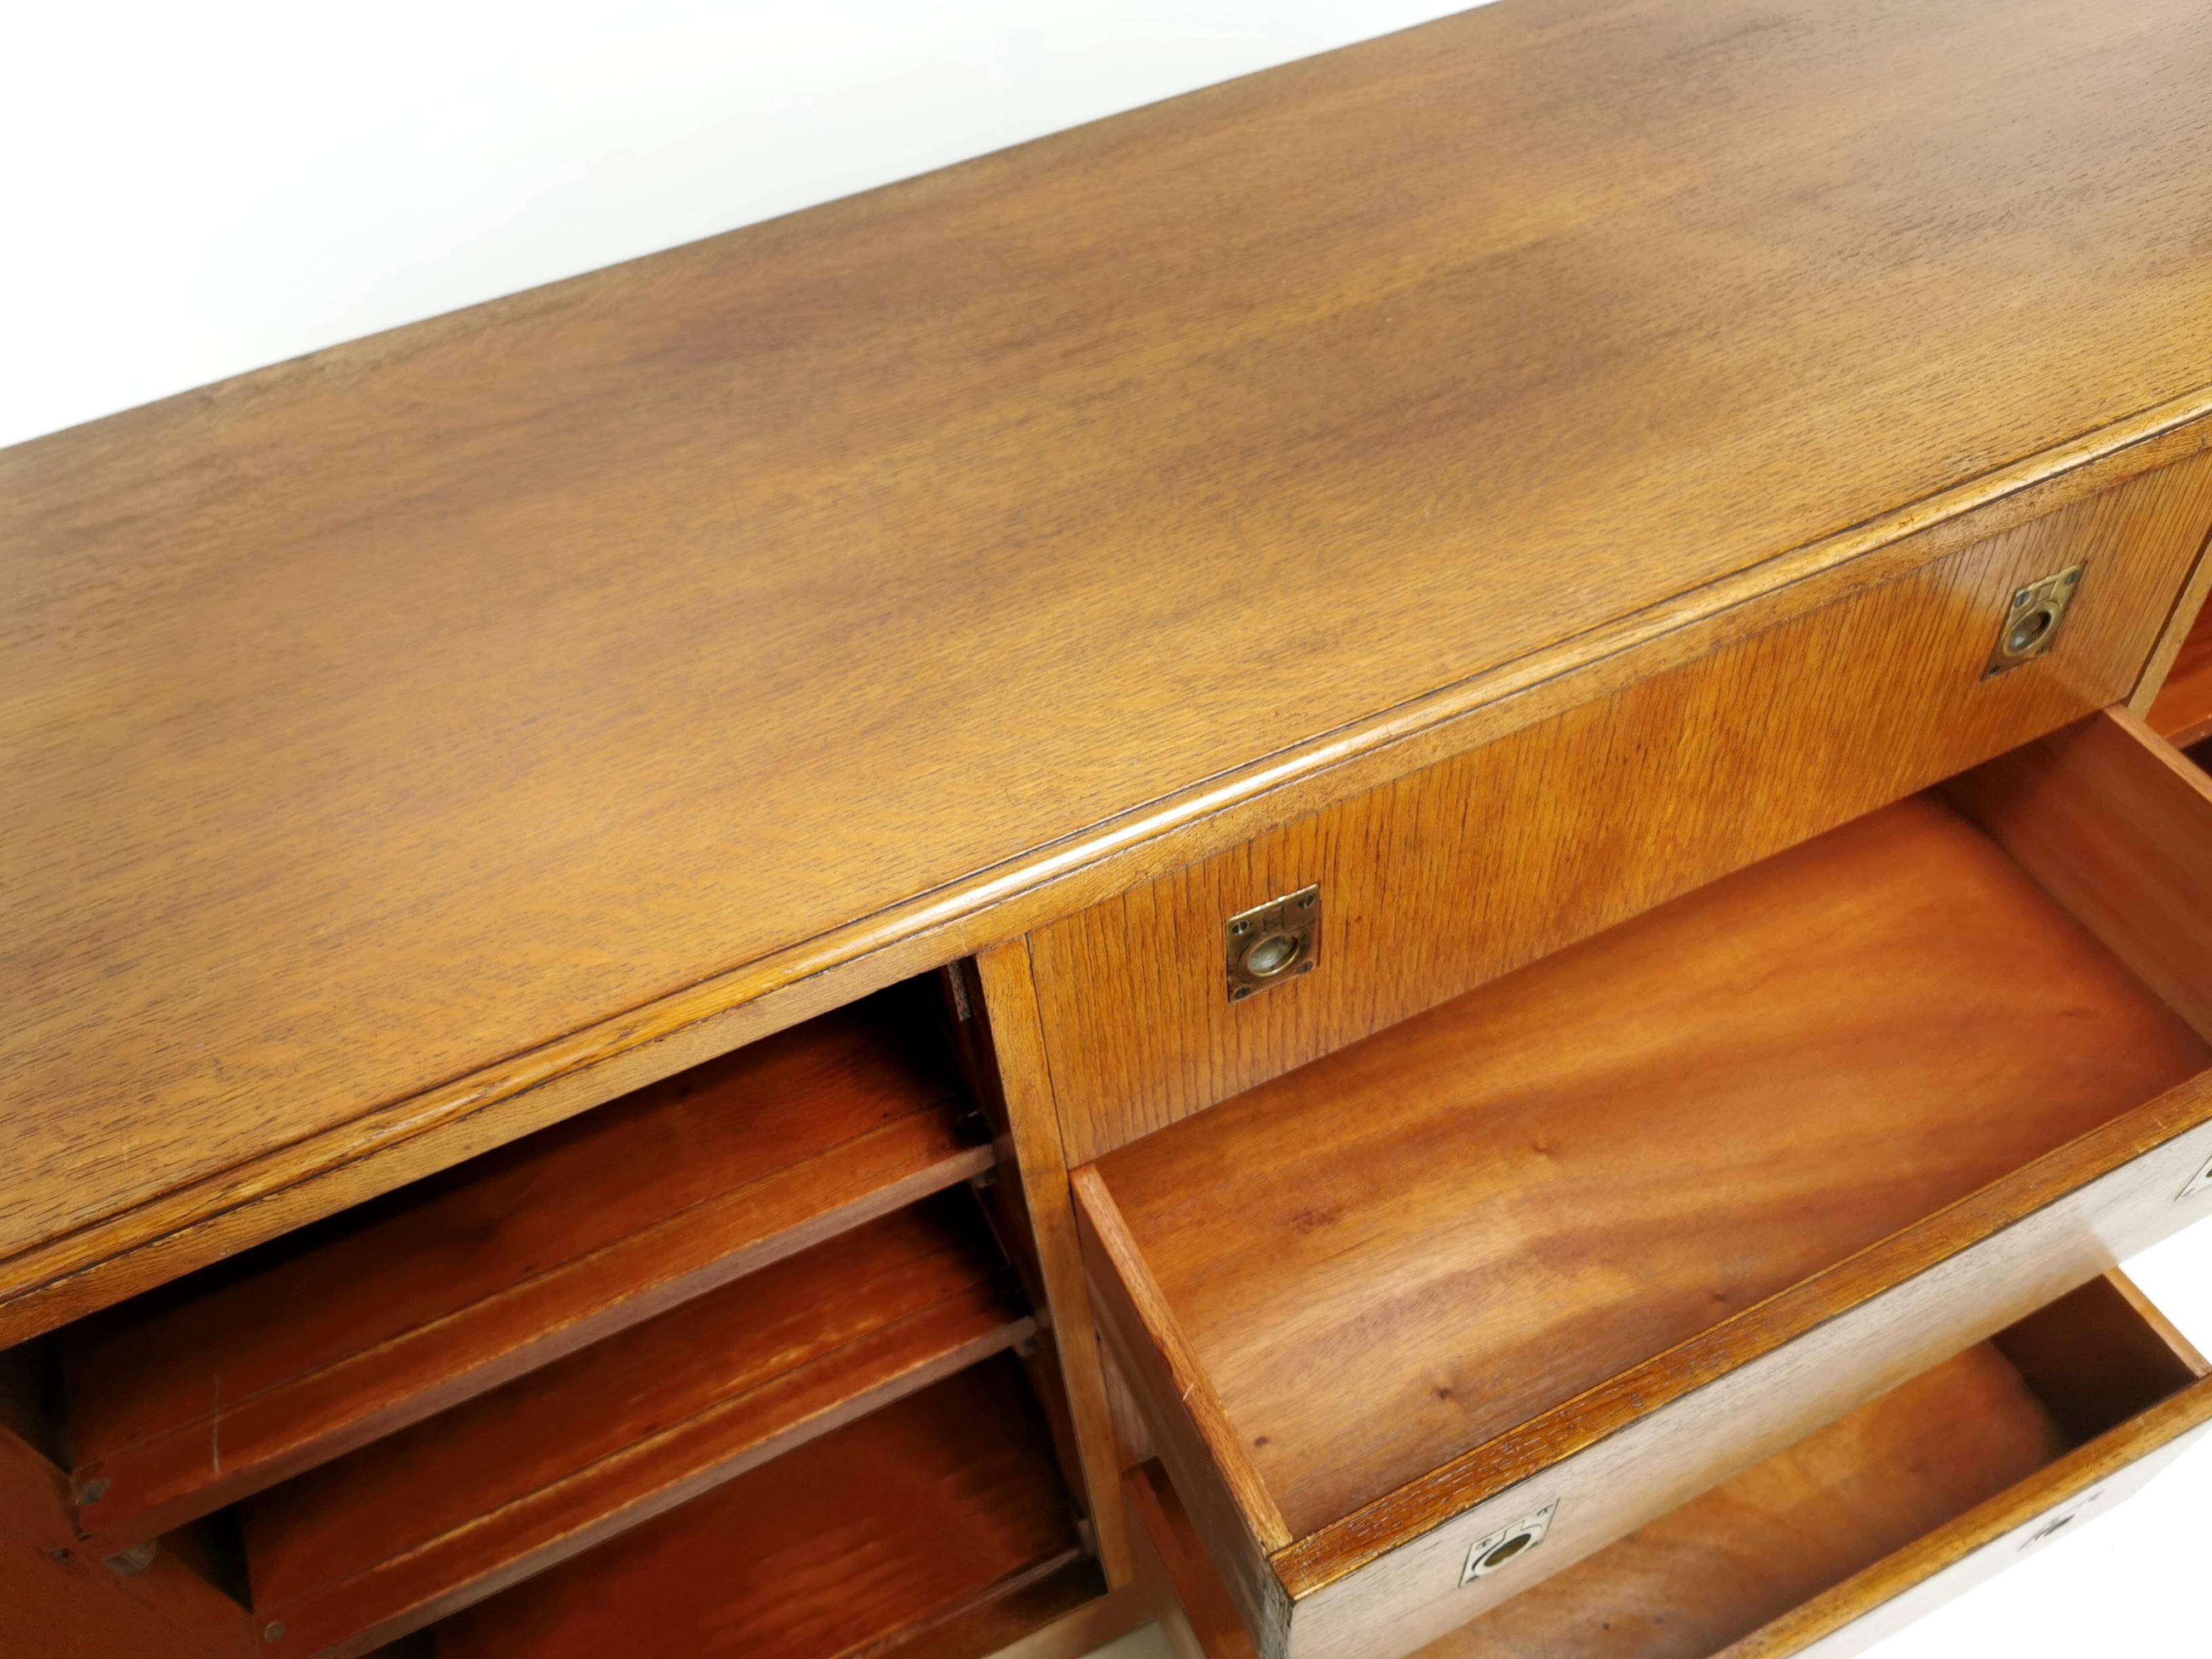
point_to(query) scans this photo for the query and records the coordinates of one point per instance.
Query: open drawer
(1832, 1544)
(1439, 1316)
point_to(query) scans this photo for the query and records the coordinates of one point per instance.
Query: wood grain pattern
(2180, 709)
(1200, 1446)
(543, 679)
(1020, 1088)
(2181, 620)
(1871, 1505)
(1056, 1614)
(1384, 1579)
(2101, 1355)
(1807, 1518)
(423, 1521)
(59, 1601)
(1133, 1437)
(1417, 1244)
(1204, 1462)
(1200, 1622)
(1871, 1488)
(224, 1384)
(1971, 1551)
(1891, 1594)
(910, 1517)
(1659, 1435)
(1095, 1624)
(1168, 1362)
(74, 1606)
(2106, 816)
(207, 1220)
(1475, 867)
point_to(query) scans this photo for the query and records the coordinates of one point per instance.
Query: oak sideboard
(1400, 860)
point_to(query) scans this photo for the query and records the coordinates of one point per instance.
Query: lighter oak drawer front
(1570, 824)
(1433, 1318)
(1975, 1464)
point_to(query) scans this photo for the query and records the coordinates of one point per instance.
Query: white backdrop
(193, 190)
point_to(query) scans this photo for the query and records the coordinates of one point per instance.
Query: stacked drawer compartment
(1450, 1312)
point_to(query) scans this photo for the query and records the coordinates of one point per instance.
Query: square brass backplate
(2031, 620)
(1272, 942)
(1507, 1544)
(2200, 1183)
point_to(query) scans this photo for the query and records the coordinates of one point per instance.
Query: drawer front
(1460, 873)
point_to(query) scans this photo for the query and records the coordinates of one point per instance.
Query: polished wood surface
(424, 1520)
(1048, 1614)
(1194, 1438)
(1382, 1582)
(1472, 867)
(542, 680)
(914, 1517)
(1738, 1383)
(2181, 621)
(60, 1600)
(1019, 1092)
(2181, 713)
(1872, 1487)
(1996, 1426)
(1693, 1580)
(1201, 1621)
(1411, 1247)
(2106, 816)
(1763, 1378)
(1996, 1537)
(1133, 1437)
(223, 1384)
(2101, 1355)
(1036, 1621)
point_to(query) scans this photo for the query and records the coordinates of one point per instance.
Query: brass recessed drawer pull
(1273, 943)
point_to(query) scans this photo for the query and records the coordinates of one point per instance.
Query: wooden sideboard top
(392, 731)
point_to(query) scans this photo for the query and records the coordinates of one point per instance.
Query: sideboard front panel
(1472, 867)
